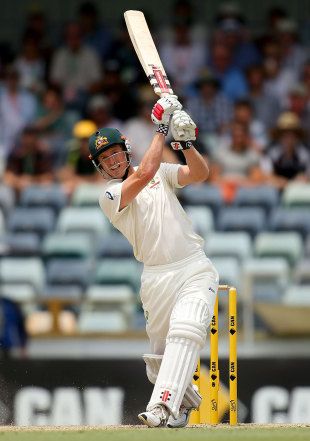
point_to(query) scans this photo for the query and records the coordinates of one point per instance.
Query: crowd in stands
(247, 90)
(249, 93)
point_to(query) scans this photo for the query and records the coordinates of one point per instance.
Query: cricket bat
(146, 51)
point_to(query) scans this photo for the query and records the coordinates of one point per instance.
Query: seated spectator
(55, 123)
(238, 165)
(17, 110)
(94, 34)
(140, 129)
(75, 68)
(278, 78)
(232, 80)
(99, 110)
(243, 113)
(210, 109)
(297, 103)
(293, 54)
(12, 328)
(266, 107)
(183, 58)
(30, 64)
(287, 159)
(29, 163)
(78, 167)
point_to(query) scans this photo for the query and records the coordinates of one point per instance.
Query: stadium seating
(69, 271)
(202, 218)
(228, 269)
(64, 292)
(296, 194)
(70, 245)
(83, 219)
(38, 220)
(44, 196)
(28, 270)
(2, 223)
(102, 321)
(277, 244)
(18, 292)
(87, 195)
(7, 199)
(307, 246)
(249, 219)
(237, 244)
(290, 219)
(266, 197)
(20, 244)
(203, 194)
(297, 295)
(114, 245)
(118, 271)
(301, 272)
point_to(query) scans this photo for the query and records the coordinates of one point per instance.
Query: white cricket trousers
(165, 287)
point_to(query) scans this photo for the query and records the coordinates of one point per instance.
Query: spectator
(278, 78)
(30, 64)
(266, 107)
(78, 167)
(55, 123)
(211, 109)
(287, 159)
(12, 328)
(99, 111)
(237, 165)
(76, 68)
(29, 163)
(243, 113)
(140, 129)
(94, 34)
(17, 109)
(297, 103)
(183, 58)
(232, 80)
(293, 54)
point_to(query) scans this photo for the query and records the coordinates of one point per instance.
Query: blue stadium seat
(297, 295)
(87, 219)
(68, 245)
(7, 199)
(237, 244)
(44, 196)
(279, 244)
(27, 270)
(203, 194)
(20, 244)
(38, 220)
(114, 245)
(87, 195)
(250, 219)
(118, 271)
(68, 271)
(290, 219)
(228, 269)
(64, 291)
(201, 218)
(263, 196)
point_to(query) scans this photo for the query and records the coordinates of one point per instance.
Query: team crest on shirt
(154, 183)
(101, 141)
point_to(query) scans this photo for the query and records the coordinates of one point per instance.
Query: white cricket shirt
(154, 222)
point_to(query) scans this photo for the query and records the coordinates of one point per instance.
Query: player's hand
(164, 108)
(183, 130)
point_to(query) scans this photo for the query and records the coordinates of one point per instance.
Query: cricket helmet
(102, 140)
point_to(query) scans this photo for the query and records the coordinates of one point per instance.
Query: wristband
(181, 145)
(163, 128)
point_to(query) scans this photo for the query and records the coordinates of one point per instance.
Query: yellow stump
(233, 375)
(214, 366)
(195, 415)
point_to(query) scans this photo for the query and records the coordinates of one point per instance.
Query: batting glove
(183, 130)
(162, 111)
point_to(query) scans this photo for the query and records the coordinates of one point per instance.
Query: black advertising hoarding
(94, 392)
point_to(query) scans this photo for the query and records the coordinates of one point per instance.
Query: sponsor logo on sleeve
(109, 195)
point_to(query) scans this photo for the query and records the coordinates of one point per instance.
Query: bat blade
(146, 51)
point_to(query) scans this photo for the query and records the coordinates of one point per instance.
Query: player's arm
(150, 163)
(184, 131)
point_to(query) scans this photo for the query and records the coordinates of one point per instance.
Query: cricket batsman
(178, 283)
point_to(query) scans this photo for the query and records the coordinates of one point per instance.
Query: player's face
(114, 161)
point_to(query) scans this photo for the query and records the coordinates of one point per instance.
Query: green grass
(242, 433)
